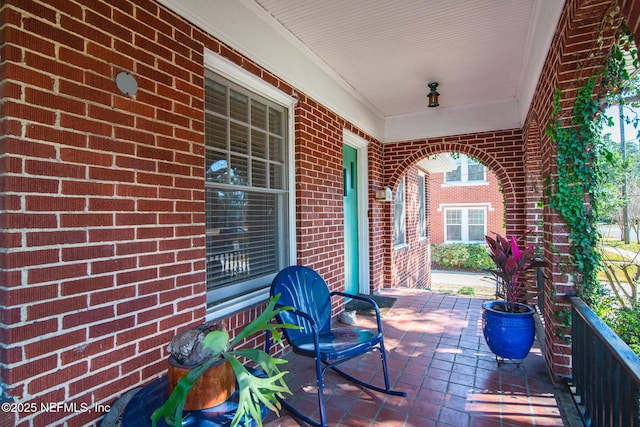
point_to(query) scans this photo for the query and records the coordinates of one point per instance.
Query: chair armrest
(305, 316)
(314, 329)
(358, 297)
(366, 299)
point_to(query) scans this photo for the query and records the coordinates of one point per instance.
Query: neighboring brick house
(111, 201)
(465, 203)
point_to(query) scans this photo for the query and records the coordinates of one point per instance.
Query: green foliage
(254, 391)
(467, 290)
(511, 263)
(622, 84)
(461, 256)
(619, 79)
(583, 190)
(562, 320)
(626, 323)
(590, 170)
(575, 188)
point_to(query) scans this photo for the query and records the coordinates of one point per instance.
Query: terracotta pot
(216, 385)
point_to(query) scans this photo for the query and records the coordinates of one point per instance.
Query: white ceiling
(389, 50)
(486, 56)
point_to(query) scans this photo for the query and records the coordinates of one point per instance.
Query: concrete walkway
(630, 256)
(451, 282)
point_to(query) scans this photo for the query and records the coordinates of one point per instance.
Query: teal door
(351, 271)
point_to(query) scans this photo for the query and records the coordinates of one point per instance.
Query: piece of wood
(215, 385)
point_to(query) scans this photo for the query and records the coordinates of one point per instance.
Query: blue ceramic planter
(508, 335)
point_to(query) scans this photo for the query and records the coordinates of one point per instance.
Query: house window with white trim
(469, 171)
(466, 225)
(246, 190)
(399, 216)
(422, 211)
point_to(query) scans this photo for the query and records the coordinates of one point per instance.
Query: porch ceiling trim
(245, 27)
(249, 29)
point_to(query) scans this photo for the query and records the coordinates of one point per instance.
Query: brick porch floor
(437, 354)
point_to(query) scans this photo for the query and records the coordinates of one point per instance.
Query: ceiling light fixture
(433, 95)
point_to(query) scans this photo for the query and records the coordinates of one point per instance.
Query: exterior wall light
(384, 195)
(126, 83)
(433, 95)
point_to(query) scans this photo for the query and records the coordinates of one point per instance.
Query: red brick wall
(319, 193)
(410, 263)
(380, 217)
(103, 200)
(102, 257)
(579, 49)
(630, 9)
(500, 151)
(488, 195)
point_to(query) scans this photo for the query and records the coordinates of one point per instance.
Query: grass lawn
(618, 258)
(619, 244)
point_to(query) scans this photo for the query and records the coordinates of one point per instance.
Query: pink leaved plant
(511, 263)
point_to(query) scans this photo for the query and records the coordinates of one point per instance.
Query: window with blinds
(476, 225)
(245, 189)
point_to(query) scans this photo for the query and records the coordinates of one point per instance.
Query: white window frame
(465, 222)
(402, 189)
(422, 206)
(463, 161)
(232, 72)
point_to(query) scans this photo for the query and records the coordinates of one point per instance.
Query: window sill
(464, 184)
(235, 305)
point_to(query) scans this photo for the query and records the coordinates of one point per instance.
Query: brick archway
(501, 151)
(524, 160)
(579, 50)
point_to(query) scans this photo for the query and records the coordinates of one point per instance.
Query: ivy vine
(576, 184)
(581, 159)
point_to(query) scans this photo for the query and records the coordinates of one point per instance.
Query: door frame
(360, 144)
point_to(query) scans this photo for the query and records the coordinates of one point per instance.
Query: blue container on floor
(138, 410)
(508, 335)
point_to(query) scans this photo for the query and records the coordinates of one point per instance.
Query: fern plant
(255, 390)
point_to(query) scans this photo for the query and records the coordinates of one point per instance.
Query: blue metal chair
(303, 289)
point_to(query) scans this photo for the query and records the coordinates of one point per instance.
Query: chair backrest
(305, 290)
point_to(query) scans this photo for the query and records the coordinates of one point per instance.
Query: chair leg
(387, 388)
(385, 370)
(320, 371)
(321, 406)
(320, 379)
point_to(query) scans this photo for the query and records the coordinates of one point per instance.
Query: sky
(630, 133)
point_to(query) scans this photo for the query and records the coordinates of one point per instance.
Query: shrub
(461, 256)
(626, 323)
(467, 290)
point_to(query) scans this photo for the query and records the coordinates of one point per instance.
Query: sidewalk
(451, 282)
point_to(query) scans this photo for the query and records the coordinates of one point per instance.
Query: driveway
(612, 231)
(451, 282)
